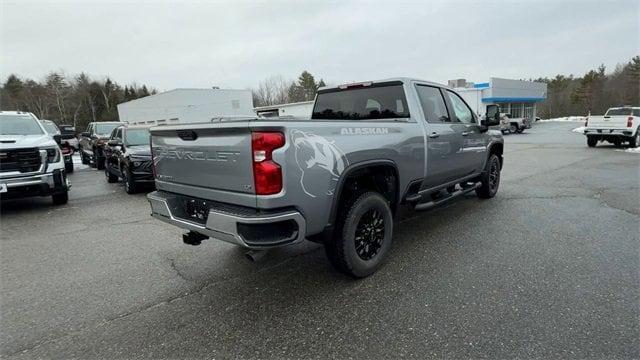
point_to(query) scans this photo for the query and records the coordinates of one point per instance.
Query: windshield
(50, 127)
(618, 111)
(379, 101)
(105, 129)
(137, 137)
(67, 129)
(19, 125)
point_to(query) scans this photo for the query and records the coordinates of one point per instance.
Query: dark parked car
(92, 142)
(128, 156)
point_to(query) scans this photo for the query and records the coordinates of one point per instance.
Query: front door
(474, 147)
(444, 140)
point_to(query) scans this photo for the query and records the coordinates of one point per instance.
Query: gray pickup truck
(337, 178)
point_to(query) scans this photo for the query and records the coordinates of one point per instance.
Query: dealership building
(516, 97)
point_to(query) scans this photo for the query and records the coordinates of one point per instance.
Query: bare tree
(271, 91)
(58, 91)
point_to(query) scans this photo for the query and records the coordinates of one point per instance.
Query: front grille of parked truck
(22, 160)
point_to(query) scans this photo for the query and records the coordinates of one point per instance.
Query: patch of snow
(566, 118)
(579, 129)
(77, 163)
(635, 150)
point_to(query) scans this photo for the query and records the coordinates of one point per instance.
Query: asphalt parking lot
(548, 268)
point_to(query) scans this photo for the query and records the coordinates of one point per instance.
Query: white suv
(31, 163)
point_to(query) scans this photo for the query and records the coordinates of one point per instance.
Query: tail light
(630, 121)
(267, 174)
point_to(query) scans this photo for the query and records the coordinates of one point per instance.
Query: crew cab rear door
(204, 159)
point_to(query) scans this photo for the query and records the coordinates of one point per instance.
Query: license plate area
(196, 210)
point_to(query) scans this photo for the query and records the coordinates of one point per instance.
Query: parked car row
(36, 155)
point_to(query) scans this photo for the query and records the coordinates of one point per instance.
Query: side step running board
(455, 194)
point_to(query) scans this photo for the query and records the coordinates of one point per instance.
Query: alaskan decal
(364, 131)
(320, 162)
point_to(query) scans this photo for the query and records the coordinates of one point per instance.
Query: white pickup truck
(618, 125)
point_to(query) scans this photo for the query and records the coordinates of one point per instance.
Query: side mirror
(493, 115)
(114, 143)
(58, 139)
(84, 134)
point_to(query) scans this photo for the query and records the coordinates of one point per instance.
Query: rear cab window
(362, 102)
(618, 111)
(433, 105)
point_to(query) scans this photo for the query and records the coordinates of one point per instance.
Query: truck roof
(18, 112)
(401, 79)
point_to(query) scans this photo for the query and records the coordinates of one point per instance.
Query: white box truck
(180, 106)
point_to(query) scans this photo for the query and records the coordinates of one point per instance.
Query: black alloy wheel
(369, 234)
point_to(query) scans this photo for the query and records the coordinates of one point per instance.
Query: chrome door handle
(434, 135)
(465, 133)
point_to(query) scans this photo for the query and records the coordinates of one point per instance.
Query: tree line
(594, 92)
(80, 99)
(75, 100)
(276, 90)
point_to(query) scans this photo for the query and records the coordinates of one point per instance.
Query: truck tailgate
(607, 122)
(209, 156)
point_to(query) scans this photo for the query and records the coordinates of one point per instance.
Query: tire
(83, 158)
(68, 167)
(369, 219)
(592, 141)
(60, 198)
(129, 185)
(513, 128)
(490, 178)
(635, 141)
(520, 130)
(110, 177)
(99, 160)
(617, 142)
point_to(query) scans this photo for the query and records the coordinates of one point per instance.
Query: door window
(432, 103)
(462, 112)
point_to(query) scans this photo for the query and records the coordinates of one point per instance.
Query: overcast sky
(237, 44)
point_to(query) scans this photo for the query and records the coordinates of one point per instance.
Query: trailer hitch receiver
(193, 238)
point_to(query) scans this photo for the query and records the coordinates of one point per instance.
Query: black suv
(128, 156)
(93, 140)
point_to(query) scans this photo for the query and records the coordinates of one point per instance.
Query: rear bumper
(627, 132)
(246, 227)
